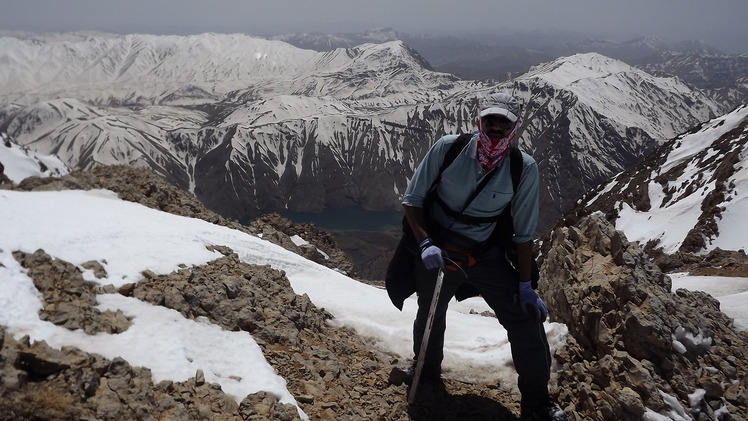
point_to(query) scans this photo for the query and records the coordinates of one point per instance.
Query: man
(453, 230)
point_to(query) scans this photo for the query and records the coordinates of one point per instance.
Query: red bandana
(490, 150)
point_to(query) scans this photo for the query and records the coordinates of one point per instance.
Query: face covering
(491, 150)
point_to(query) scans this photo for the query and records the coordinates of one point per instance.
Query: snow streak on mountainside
(690, 194)
(252, 126)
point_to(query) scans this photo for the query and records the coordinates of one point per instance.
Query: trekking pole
(425, 340)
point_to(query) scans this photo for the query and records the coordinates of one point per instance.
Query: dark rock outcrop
(634, 345)
(69, 300)
(42, 383)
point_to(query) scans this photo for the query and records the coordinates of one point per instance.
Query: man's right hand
(431, 255)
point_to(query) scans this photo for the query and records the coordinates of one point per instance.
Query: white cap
(501, 104)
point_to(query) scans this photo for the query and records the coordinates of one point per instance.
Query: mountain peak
(567, 70)
(626, 94)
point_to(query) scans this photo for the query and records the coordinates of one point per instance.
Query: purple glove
(431, 255)
(530, 302)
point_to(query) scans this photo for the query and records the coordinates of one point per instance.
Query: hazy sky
(721, 23)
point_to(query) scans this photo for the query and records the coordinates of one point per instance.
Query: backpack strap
(450, 156)
(515, 166)
(503, 232)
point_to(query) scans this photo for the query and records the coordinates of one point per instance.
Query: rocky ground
(619, 359)
(331, 371)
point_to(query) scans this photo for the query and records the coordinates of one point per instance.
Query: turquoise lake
(348, 219)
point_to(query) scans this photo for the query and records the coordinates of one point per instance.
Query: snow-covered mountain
(19, 162)
(689, 195)
(590, 116)
(322, 41)
(251, 125)
(640, 49)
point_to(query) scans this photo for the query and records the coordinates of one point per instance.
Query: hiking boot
(428, 374)
(548, 412)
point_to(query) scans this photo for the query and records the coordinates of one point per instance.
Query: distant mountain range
(502, 56)
(251, 125)
(725, 77)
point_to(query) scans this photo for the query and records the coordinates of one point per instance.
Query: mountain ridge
(500, 56)
(101, 68)
(683, 198)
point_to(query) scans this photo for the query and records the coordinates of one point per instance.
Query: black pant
(497, 283)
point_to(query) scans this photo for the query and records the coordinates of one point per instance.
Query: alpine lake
(348, 219)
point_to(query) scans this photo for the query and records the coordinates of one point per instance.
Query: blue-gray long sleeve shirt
(459, 180)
